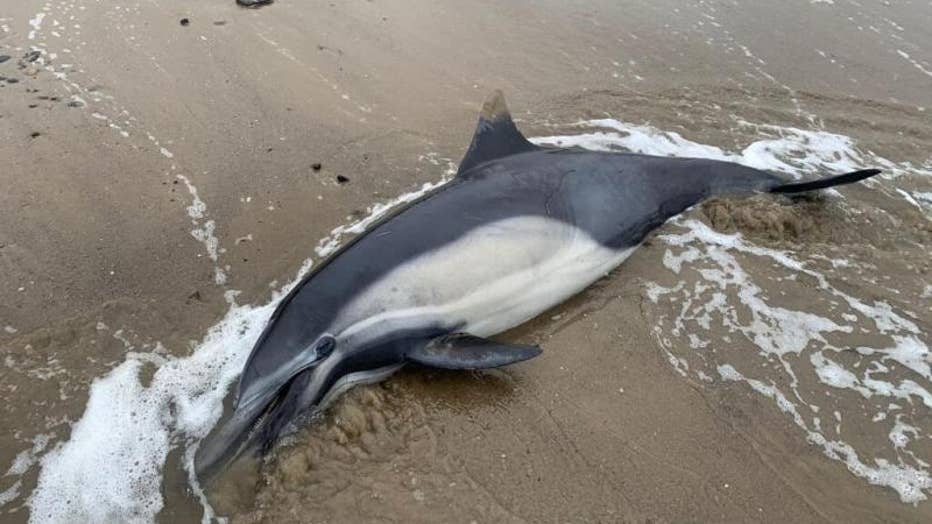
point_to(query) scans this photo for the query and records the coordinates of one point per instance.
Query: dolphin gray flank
(520, 229)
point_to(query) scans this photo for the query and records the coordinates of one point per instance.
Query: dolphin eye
(325, 346)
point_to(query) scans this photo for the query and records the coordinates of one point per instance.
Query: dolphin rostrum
(520, 229)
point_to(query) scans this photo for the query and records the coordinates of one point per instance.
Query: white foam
(777, 331)
(924, 197)
(902, 433)
(36, 24)
(10, 494)
(203, 230)
(909, 198)
(788, 150)
(908, 481)
(635, 138)
(915, 63)
(111, 467)
(26, 458)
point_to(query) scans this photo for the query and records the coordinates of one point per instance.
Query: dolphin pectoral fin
(496, 135)
(465, 351)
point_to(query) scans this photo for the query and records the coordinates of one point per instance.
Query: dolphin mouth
(230, 438)
(253, 426)
(260, 412)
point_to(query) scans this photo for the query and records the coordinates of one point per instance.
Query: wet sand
(138, 118)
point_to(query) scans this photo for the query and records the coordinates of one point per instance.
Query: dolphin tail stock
(837, 180)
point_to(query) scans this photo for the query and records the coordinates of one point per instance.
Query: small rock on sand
(253, 3)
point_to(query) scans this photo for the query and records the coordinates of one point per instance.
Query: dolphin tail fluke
(838, 180)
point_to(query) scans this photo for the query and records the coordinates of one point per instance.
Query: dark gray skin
(617, 198)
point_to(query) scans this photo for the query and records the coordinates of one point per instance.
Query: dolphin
(520, 229)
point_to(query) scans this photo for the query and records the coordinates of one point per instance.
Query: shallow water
(756, 359)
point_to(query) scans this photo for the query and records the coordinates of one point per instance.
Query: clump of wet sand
(765, 216)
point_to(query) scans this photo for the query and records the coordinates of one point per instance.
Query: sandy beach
(759, 359)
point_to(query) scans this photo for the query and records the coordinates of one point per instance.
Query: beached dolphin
(520, 229)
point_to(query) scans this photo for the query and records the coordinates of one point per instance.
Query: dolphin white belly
(493, 278)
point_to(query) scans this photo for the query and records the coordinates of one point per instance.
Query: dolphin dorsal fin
(496, 135)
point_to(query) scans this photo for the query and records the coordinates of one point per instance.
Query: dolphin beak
(254, 425)
(231, 437)
(261, 410)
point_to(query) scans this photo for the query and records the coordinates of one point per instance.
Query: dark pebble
(12, 80)
(342, 179)
(33, 106)
(35, 134)
(220, 22)
(185, 22)
(32, 56)
(252, 3)
(316, 166)
(75, 103)
(4, 58)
